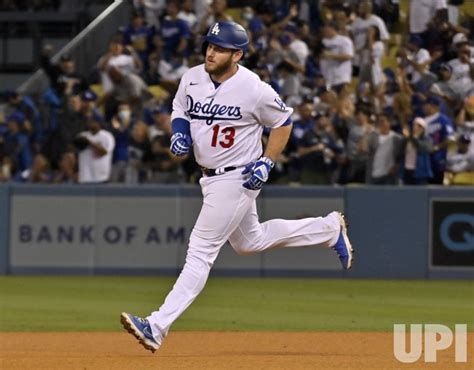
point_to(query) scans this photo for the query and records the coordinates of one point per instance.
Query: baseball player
(220, 110)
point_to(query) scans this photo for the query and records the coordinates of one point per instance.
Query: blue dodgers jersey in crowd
(141, 39)
(171, 32)
(439, 129)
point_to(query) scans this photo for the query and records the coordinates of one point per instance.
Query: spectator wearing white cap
(417, 146)
(459, 40)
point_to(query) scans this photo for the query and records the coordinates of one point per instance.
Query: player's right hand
(180, 144)
(259, 173)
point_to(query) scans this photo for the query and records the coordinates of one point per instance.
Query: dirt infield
(211, 350)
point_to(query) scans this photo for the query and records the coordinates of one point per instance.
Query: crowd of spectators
(356, 120)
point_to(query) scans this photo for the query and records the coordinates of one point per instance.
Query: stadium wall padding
(116, 229)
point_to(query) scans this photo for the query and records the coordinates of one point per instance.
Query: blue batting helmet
(229, 35)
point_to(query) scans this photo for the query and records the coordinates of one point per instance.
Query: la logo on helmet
(215, 30)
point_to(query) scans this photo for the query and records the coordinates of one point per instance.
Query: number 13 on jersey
(228, 139)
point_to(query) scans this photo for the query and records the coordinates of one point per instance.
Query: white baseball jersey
(227, 122)
(93, 168)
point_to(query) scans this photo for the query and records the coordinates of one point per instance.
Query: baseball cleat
(343, 246)
(140, 329)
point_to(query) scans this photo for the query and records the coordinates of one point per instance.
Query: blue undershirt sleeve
(181, 125)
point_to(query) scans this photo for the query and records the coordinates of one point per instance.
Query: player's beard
(219, 70)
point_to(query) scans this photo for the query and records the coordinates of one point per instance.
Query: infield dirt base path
(212, 350)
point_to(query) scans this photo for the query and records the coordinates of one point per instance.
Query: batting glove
(180, 144)
(259, 172)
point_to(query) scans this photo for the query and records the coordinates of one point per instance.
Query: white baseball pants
(229, 212)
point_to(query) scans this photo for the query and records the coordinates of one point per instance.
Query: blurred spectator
(389, 11)
(465, 119)
(342, 19)
(216, 12)
(152, 9)
(95, 152)
(27, 107)
(357, 146)
(161, 123)
(421, 12)
(116, 57)
(371, 66)
(40, 170)
(175, 32)
(88, 103)
(437, 37)
(121, 127)
(359, 29)
(460, 164)
(335, 64)
(71, 122)
(384, 152)
(447, 87)
(417, 146)
(414, 59)
(440, 130)
(301, 126)
(140, 37)
(67, 172)
(343, 117)
(63, 76)
(188, 15)
(171, 71)
(139, 153)
(17, 146)
(305, 122)
(162, 165)
(461, 67)
(317, 152)
(127, 88)
(458, 41)
(259, 23)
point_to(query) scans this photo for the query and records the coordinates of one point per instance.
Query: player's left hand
(259, 172)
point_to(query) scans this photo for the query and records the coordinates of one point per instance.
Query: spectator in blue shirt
(175, 32)
(26, 106)
(440, 130)
(17, 144)
(140, 37)
(416, 147)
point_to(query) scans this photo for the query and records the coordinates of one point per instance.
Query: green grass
(94, 303)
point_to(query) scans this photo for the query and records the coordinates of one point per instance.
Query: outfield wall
(409, 232)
